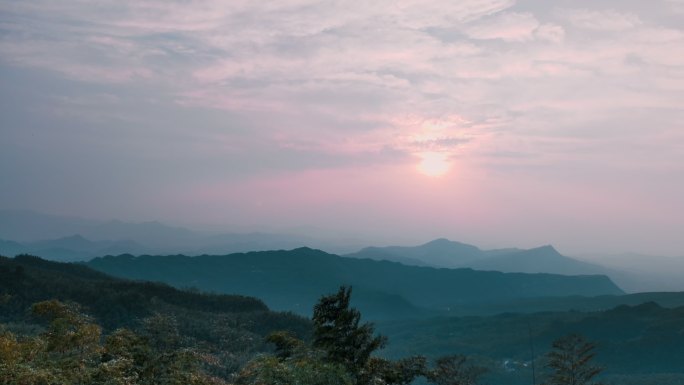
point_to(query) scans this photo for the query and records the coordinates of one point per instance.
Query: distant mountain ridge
(72, 248)
(544, 259)
(64, 238)
(633, 277)
(440, 252)
(450, 254)
(649, 272)
(293, 280)
(24, 231)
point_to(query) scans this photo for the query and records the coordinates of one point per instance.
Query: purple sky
(494, 122)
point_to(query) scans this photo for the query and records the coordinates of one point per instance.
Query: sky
(494, 122)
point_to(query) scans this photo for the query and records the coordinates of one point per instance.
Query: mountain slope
(116, 302)
(29, 226)
(35, 232)
(437, 253)
(72, 248)
(643, 272)
(293, 280)
(644, 339)
(450, 254)
(11, 247)
(229, 329)
(633, 273)
(543, 259)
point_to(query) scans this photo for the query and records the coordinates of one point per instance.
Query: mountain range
(75, 239)
(232, 328)
(72, 248)
(635, 275)
(450, 254)
(293, 280)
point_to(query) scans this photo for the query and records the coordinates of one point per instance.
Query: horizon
(496, 123)
(328, 242)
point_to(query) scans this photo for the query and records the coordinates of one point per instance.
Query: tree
(338, 332)
(286, 344)
(304, 367)
(401, 372)
(570, 361)
(341, 354)
(453, 370)
(70, 351)
(70, 330)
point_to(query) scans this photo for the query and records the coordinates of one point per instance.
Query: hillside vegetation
(293, 280)
(228, 326)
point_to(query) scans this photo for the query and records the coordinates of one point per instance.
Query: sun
(434, 163)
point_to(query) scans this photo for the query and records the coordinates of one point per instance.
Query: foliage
(401, 372)
(304, 368)
(286, 344)
(570, 361)
(647, 334)
(70, 352)
(341, 352)
(223, 331)
(453, 370)
(338, 332)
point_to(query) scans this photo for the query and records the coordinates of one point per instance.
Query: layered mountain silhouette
(75, 239)
(438, 253)
(65, 238)
(72, 248)
(644, 272)
(632, 276)
(293, 280)
(450, 254)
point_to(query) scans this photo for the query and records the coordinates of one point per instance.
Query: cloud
(550, 32)
(602, 20)
(508, 26)
(261, 88)
(676, 5)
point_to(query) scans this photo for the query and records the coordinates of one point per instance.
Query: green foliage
(647, 334)
(338, 332)
(70, 352)
(341, 353)
(570, 361)
(401, 372)
(286, 344)
(305, 368)
(69, 331)
(453, 370)
(173, 329)
(115, 302)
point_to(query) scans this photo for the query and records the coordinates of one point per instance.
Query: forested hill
(116, 302)
(637, 345)
(293, 280)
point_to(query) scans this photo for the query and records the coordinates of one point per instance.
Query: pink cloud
(607, 20)
(509, 26)
(489, 85)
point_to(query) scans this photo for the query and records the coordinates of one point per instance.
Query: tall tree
(338, 332)
(571, 362)
(341, 354)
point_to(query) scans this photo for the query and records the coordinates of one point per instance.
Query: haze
(494, 122)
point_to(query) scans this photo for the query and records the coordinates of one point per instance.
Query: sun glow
(434, 163)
